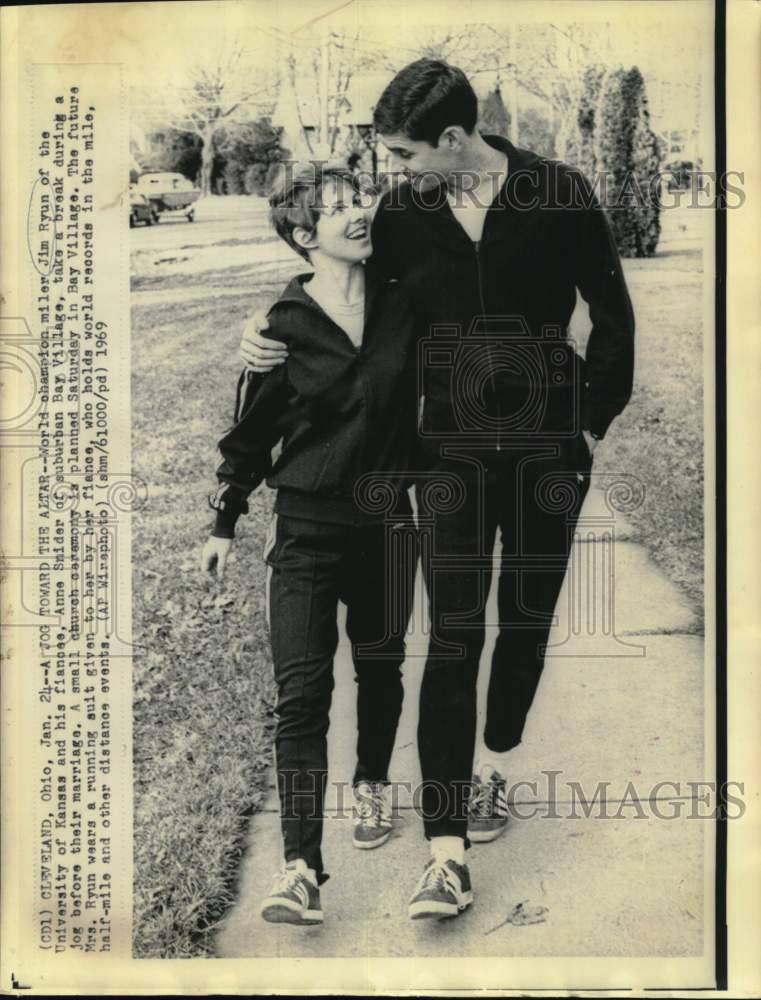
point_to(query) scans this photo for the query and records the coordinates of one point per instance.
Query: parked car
(141, 210)
(168, 192)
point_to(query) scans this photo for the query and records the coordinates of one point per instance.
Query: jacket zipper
(477, 248)
(358, 350)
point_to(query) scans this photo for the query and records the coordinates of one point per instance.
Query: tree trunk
(207, 162)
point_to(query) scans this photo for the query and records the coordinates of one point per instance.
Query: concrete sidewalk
(621, 701)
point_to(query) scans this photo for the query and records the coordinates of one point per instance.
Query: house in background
(350, 118)
(675, 117)
(349, 122)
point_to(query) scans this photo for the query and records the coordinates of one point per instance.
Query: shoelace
(437, 877)
(287, 879)
(374, 808)
(481, 802)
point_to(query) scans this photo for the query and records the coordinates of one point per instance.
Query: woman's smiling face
(343, 229)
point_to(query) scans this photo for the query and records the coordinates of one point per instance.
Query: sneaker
(487, 809)
(373, 825)
(294, 898)
(444, 890)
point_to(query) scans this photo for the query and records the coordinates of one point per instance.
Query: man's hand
(592, 442)
(260, 353)
(215, 554)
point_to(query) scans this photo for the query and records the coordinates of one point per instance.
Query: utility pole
(324, 84)
(513, 95)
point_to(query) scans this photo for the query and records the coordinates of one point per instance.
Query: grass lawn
(659, 436)
(203, 693)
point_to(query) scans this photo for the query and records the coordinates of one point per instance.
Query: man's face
(343, 230)
(423, 164)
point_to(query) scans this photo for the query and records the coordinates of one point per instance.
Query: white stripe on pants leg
(267, 580)
(269, 544)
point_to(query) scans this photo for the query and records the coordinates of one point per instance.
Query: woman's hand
(215, 554)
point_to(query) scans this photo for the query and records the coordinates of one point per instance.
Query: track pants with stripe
(312, 566)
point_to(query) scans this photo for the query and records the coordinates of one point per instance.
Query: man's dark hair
(423, 99)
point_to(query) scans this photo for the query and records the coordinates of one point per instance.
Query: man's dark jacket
(513, 294)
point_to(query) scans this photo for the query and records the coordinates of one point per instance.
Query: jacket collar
(518, 159)
(295, 292)
(520, 188)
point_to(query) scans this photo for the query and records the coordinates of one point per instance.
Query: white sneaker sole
(429, 908)
(484, 836)
(368, 845)
(285, 912)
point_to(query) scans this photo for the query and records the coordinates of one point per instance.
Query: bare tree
(460, 45)
(549, 62)
(319, 73)
(546, 61)
(223, 89)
